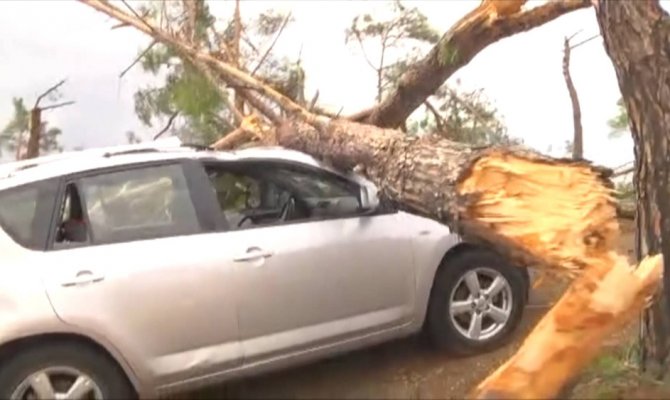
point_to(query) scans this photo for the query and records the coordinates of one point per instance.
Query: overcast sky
(42, 42)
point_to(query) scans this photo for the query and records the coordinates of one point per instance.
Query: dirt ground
(405, 369)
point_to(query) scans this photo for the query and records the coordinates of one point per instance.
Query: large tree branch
(457, 47)
(231, 75)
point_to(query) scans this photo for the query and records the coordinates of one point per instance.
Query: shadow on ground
(407, 369)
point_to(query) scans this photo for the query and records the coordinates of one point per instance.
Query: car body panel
(322, 283)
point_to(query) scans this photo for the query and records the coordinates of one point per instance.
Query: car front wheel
(476, 303)
(62, 371)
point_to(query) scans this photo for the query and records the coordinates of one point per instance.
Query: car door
(319, 278)
(134, 260)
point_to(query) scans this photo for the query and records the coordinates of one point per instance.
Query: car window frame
(190, 170)
(240, 165)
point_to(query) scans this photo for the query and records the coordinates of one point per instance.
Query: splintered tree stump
(555, 214)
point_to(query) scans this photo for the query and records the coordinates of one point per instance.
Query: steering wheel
(287, 210)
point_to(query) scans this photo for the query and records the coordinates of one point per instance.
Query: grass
(614, 375)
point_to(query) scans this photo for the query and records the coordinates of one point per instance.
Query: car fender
(431, 241)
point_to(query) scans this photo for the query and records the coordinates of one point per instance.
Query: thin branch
(623, 172)
(57, 105)
(438, 117)
(237, 35)
(313, 102)
(365, 54)
(272, 45)
(47, 92)
(137, 15)
(584, 41)
(138, 58)
(574, 34)
(167, 126)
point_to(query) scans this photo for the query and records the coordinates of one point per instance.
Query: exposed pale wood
(609, 294)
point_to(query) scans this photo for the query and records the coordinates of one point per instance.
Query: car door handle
(83, 278)
(253, 253)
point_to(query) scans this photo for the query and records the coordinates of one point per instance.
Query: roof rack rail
(8, 169)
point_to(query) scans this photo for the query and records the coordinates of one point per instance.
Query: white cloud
(43, 41)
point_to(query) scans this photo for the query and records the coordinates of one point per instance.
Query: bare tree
(36, 125)
(577, 144)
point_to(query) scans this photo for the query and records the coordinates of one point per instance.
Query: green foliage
(404, 28)
(204, 111)
(619, 123)
(464, 116)
(19, 128)
(404, 24)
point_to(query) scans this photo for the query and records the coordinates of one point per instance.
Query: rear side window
(25, 213)
(138, 204)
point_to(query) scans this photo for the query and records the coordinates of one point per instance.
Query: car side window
(25, 213)
(128, 205)
(262, 194)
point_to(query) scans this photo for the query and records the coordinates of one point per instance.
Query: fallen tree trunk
(533, 209)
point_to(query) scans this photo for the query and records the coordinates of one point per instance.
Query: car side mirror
(369, 198)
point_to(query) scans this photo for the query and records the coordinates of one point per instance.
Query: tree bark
(636, 34)
(457, 47)
(510, 198)
(578, 136)
(33, 148)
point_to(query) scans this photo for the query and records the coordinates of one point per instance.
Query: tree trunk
(458, 46)
(578, 137)
(33, 148)
(511, 198)
(636, 34)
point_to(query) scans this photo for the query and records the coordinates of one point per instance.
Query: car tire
(450, 323)
(61, 364)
